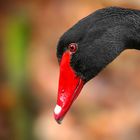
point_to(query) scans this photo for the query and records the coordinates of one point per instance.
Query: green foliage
(16, 40)
(17, 36)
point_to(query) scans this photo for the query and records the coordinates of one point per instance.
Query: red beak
(70, 86)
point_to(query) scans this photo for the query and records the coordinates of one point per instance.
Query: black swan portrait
(89, 46)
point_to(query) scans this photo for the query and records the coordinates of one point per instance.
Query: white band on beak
(57, 109)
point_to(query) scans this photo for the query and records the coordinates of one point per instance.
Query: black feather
(101, 37)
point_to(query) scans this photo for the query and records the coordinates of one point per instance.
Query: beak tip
(58, 119)
(57, 111)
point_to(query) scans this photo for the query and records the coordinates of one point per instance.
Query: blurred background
(109, 105)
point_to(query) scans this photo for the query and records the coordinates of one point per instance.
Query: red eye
(73, 47)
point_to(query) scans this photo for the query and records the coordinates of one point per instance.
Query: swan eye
(73, 47)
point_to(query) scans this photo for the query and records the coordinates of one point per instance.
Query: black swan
(86, 48)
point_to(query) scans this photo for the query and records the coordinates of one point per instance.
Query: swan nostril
(63, 99)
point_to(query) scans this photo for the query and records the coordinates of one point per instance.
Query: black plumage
(101, 37)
